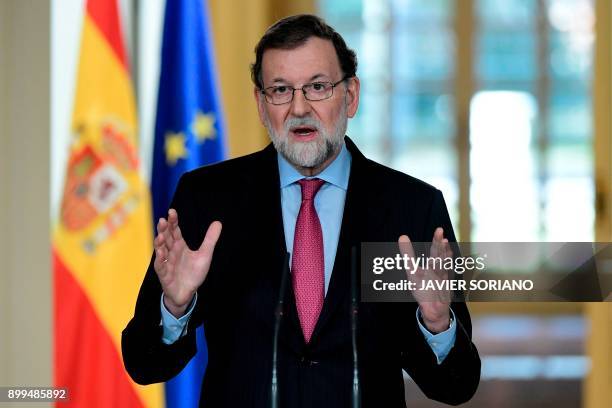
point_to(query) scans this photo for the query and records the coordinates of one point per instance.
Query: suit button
(307, 361)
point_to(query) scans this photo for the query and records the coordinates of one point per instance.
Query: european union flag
(189, 132)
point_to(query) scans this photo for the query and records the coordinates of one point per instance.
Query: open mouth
(304, 131)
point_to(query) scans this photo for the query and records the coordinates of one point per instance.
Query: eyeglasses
(315, 91)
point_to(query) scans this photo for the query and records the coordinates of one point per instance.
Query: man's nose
(300, 106)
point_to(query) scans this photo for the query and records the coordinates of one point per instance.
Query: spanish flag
(102, 239)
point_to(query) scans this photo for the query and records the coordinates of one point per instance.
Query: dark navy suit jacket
(236, 302)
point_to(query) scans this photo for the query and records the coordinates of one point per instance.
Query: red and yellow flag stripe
(103, 236)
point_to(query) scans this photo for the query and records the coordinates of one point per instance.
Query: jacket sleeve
(146, 357)
(456, 379)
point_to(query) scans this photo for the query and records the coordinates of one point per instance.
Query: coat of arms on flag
(102, 239)
(98, 183)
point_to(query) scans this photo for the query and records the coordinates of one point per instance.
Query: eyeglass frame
(333, 85)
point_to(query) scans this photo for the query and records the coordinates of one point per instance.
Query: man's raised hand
(180, 270)
(433, 304)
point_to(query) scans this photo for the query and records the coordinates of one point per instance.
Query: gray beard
(315, 152)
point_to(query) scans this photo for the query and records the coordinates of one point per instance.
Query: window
(530, 172)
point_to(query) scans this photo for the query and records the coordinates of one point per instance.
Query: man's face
(307, 133)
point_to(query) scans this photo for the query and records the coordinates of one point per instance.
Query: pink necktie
(307, 264)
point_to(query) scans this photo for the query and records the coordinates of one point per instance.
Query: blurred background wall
(504, 105)
(25, 137)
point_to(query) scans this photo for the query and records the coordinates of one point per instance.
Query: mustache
(307, 121)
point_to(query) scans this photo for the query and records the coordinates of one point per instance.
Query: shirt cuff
(173, 328)
(441, 343)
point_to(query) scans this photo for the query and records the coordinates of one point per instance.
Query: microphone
(356, 400)
(278, 317)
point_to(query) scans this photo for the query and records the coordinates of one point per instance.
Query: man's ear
(352, 96)
(260, 104)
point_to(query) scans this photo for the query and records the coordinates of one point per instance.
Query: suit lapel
(356, 222)
(270, 240)
(265, 205)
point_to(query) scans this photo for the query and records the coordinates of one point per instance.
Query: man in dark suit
(313, 193)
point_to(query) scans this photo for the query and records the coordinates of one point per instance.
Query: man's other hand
(433, 304)
(181, 271)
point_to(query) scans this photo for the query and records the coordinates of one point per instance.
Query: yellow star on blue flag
(203, 126)
(189, 132)
(175, 147)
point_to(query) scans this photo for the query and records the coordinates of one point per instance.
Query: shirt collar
(337, 173)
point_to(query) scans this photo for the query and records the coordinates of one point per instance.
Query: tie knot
(310, 187)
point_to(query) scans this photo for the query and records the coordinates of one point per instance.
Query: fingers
(173, 224)
(210, 239)
(440, 249)
(163, 233)
(438, 243)
(161, 255)
(436, 240)
(159, 244)
(168, 233)
(405, 245)
(438, 235)
(443, 252)
(446, 252)
(169, 229)
(172, 216)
